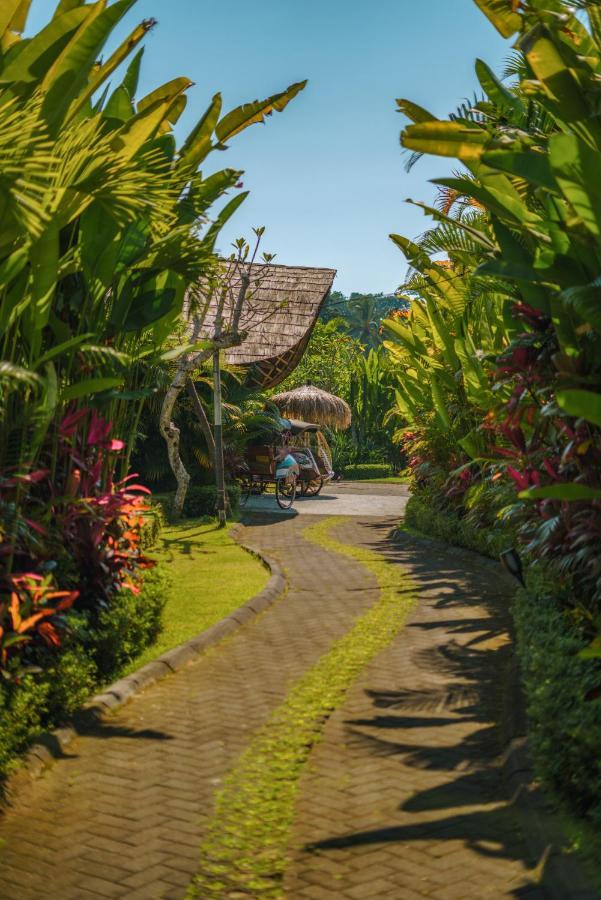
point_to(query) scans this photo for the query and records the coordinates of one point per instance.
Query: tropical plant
(530, 156)
(106, 225)
(499, 363)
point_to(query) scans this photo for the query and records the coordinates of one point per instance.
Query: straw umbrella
(311, 404)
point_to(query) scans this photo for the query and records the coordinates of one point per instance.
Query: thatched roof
(283, 306)
(312, 404)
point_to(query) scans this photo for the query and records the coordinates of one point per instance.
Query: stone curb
(561, 874)
(51, 745)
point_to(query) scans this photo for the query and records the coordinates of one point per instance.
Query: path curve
(123, 814)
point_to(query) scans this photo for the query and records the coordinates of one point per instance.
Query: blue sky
(326, 176)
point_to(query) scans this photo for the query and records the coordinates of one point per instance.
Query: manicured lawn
(391, 479)
(210, 577)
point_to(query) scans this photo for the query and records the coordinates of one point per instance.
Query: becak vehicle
(266, 464)
(310, 449)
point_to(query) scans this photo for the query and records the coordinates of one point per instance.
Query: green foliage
(565, 725)
(131, 623)
(21, 714)
(92, 655)
(201, 500)
(246, 845)
(423, 514)
(498, 400)
(329, 361)
(106, 224)
(367, 470)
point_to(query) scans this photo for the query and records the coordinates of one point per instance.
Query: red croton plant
(542, 446)
(69, 537)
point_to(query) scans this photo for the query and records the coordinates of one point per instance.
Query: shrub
(564, 727)
(129, 625)
(22, 709)
(38, 700)
(201, 500)
(367, 470)
(90, 655)
(422, 514)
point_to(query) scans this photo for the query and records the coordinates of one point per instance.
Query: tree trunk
(169, 430)
(170, 433)
(202, 418)
(218, 427)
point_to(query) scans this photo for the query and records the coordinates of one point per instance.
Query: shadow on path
(426, 725)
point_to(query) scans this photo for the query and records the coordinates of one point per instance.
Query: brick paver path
(402, 798)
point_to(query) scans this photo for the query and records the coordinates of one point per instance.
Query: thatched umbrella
(314, 405)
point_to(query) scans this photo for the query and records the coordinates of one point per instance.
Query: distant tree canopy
(361, 315)
(329, 361)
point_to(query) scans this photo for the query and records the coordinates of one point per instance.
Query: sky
(326, 176)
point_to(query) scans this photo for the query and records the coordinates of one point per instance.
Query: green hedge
(422, 515)
(564, 728)
(201, 500)
(92, 655)
(368, 470)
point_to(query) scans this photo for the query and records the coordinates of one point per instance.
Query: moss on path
(246, 845)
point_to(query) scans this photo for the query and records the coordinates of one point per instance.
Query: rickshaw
(310, 449)
(299, 458)
(270, 464)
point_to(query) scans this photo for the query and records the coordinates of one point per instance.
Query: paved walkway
(401, 799)
(340, 499)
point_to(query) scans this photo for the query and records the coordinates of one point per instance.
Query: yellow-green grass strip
(245, 850)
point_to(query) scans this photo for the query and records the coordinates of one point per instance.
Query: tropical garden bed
(498, 396)
(172, 606)
(108, 233)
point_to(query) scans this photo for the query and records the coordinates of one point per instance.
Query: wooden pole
(218, 435)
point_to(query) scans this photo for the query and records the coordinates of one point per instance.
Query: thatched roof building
(282, 308)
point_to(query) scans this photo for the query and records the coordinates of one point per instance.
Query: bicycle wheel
(246, 486)
(313, 487)
(285, 491)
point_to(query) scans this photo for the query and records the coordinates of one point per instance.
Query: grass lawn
(210, 577)
(390, 479)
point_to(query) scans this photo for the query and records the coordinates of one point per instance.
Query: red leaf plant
(69, 534)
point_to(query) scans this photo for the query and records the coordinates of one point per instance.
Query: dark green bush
(23, 708)
(201, 500)
(422, 514)
(88, 658)
(367, 470)
(564, 727)
(129, 625)
(42, 699)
